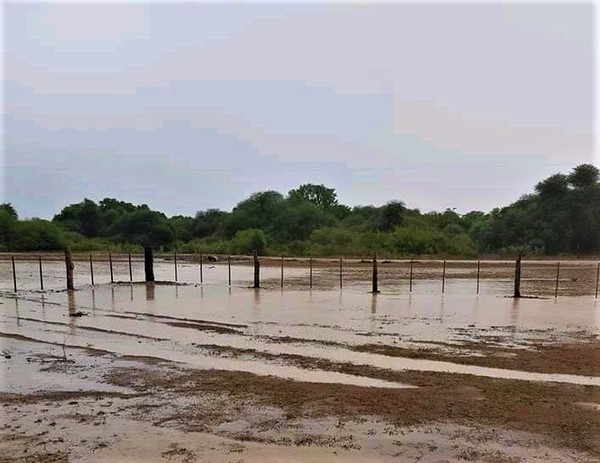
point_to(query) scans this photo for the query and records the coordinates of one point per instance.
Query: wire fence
(47, 271)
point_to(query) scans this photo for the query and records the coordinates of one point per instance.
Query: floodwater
(242, 329)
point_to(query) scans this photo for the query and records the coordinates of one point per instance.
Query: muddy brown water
(60, 350)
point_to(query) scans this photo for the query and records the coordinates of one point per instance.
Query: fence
(539, 277)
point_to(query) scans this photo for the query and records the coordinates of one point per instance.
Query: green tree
(320, 195)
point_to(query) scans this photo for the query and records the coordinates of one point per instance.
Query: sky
(188, 106)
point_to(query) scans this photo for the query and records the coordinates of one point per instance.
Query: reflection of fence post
(478, 272)
(201, 276)
(41, 273)
(444, 277)
(148, 264)
(341, 270)
(91, 270)
(175, 260)
(374, 285)
(112, 278)
(557, 276)
(14, 271)
(597, 279)
(281, 272)
(69, 267)
(229, 268)
(256, 270)
(130, 271)
(517, 291)
(410, 278)
(310, 272)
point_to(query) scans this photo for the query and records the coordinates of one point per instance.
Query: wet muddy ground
(189, 372)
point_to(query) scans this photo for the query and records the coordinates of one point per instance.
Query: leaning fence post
(341, 270)
(410, 278)
(69, 267)
(229, 268)
(175, 260)
(256, 270)
(41, 273)
(374, 284)
(91, 270)
(14, 272)
(478, 272)
(557, 276)
(444, 277)
(130, 271)
(112, 278)
(148, 264)
(517, 291)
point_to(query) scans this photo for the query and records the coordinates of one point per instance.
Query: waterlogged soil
(164, 373)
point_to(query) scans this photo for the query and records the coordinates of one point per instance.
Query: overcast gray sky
(196, 105)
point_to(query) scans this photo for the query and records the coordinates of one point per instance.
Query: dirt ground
(163, 373)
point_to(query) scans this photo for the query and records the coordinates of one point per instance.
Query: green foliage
(562, 215)
(247, 241)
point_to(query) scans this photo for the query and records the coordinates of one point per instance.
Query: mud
(210, 373)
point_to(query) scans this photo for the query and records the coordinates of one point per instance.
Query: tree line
(561, 216)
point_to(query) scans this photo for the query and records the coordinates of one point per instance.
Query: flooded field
(211, 372)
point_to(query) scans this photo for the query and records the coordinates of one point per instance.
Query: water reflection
(150, 291)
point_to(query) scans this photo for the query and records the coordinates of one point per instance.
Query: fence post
(112, 278)
(341, 270)
(69, 267)
(91, 270)
(201, 276)
(410, 278)
(148, 264)
(41, 273)
(374, 285)
(14, 272)
(517, 291)
(130, 271)
(597, 279)
(557, 276)
(310, 272)
(444, 277)
(281, 272)
(229, 269)
(256, 270)
(175, 260)
(478, 272)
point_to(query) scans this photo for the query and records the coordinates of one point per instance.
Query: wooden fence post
(374, 283)
(256, 270)
(310, 273)
(14, 273)
(597, 279)
(41, 273)
(175, 260)
(69, 267)
(112, 277)
(229, 269)
(148, 264)
(517, 289)
(478, 272)
(281, 272)
(201, 276)
(444, 277)
(341, 272)
(410, 278)
(130, 271)
(557, 276)
(91, 270)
